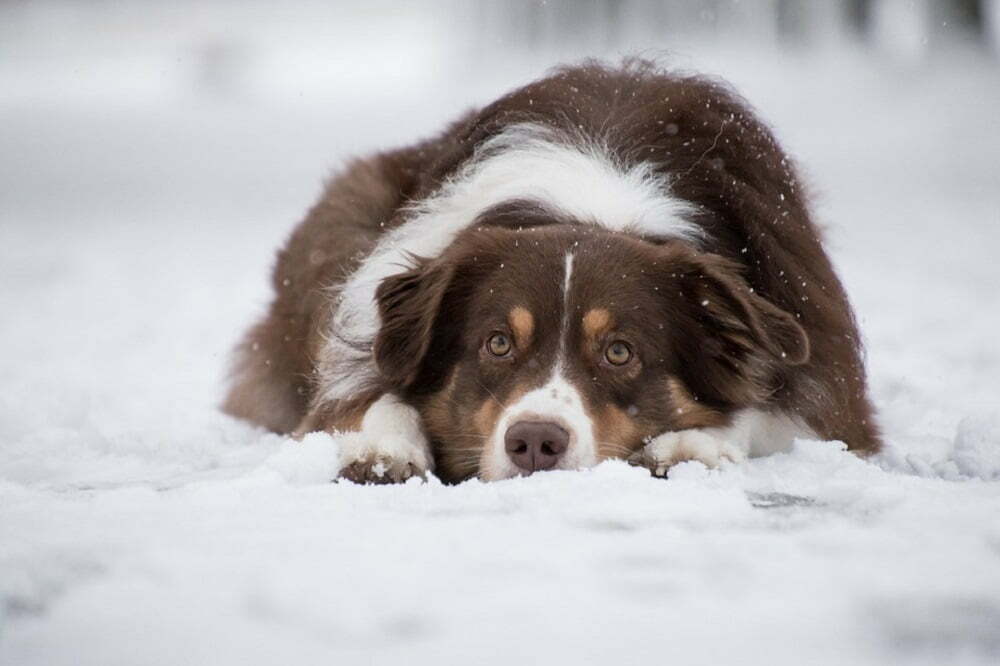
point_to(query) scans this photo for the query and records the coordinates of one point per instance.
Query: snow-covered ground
(138, 525)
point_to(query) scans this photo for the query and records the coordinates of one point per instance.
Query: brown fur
(618, 435)
(336, 416)
(689, 412)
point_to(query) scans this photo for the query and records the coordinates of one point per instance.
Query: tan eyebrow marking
(522, 323)
(595, 323)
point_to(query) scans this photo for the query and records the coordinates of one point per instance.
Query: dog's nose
(535, 445)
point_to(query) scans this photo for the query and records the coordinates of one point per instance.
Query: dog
(614, 261)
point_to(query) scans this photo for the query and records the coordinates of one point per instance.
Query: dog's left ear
(409, 306)
(737, 308)
(745, 340)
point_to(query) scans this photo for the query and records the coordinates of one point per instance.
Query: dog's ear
(409, 305)
(744, 340)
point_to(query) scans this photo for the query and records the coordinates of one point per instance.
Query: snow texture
(138, 525)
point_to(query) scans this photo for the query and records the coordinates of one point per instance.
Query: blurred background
(154, 154)
(102, 92)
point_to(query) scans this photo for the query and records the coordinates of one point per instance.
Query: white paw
(368, 461)
(670, 448)
(390, 448)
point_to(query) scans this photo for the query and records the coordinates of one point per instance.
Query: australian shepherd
(610, 262)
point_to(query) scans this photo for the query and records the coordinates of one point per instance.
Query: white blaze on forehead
(568, 275)
(575, 176)
(557, 401)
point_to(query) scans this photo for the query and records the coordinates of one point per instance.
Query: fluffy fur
(595, 208)
(570, 176)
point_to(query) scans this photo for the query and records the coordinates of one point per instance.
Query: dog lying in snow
(611, 262)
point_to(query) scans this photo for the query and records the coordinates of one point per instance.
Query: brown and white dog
(611, 262)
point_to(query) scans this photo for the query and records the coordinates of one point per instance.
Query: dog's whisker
(465, 466)
(492, 395)
(616, 449)
(468, 449)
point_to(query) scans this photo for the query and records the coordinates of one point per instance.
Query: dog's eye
(618, 353)
(498, 344)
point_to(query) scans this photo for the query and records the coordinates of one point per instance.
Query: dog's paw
(394, 461)
(380, 469)
(670, 448)
(390, 448)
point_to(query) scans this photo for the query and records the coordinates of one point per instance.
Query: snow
(138, 525)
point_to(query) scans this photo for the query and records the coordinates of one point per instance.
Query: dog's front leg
(750, 432)
(710, 446)
(381, 440)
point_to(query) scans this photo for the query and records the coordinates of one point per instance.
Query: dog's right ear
(409, 305)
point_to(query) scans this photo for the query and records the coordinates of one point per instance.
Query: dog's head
(554, 347)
